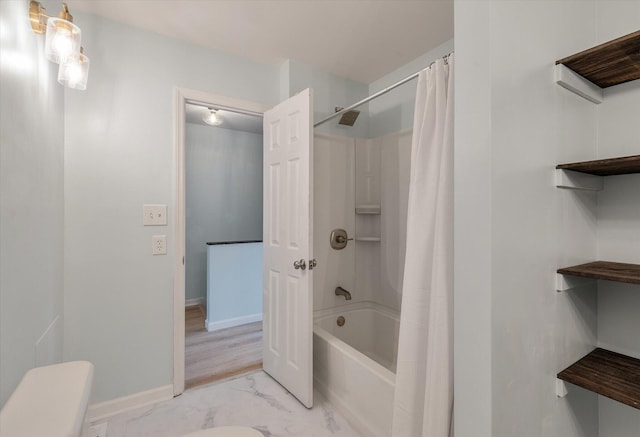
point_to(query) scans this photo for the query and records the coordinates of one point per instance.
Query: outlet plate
(154, 215)
(158, 244)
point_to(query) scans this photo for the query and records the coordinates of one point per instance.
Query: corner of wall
(31, 188)
(473, 239)
(285, 80)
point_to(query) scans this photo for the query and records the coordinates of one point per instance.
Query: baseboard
(110, 408)
(193, 302)
(230, 323)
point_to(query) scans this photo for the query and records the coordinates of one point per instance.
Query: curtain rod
(379, 93)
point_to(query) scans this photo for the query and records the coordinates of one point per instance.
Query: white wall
(118, 156)
(234, 284)
(31, 193)
(618, 217)
(329, 91)
(472, 221)
(223, 195)
(393, 112)
(513, 228)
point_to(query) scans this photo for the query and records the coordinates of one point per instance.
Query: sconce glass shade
(74, 72)
(63, 40)
(212, 118)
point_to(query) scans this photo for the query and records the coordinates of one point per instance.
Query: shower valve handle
(341, 240)
(302, 264)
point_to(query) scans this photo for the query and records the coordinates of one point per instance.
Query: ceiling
(230, 120)
(359, 39)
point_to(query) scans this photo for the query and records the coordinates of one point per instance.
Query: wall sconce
(74, 71)
(62, 45)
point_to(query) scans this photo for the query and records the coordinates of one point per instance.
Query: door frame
(181, 97)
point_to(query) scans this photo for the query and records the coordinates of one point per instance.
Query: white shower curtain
(423, 404)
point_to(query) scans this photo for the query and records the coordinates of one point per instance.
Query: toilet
(49, 401)
(226, 431)
(58, 397)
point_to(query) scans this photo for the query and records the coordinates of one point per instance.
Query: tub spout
(342, 292)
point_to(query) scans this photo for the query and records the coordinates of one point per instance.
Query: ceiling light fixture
(62, 44)
(212, 118)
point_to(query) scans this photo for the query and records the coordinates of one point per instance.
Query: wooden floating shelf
(607, 373)
(608, 64)
(610, 271)
(606, 167)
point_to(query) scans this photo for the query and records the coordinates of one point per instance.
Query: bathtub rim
(378, 369)
(354, 306)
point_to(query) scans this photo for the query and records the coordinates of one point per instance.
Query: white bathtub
(354, 364)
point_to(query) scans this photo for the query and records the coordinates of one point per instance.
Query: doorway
(220, 354)
(204, 353)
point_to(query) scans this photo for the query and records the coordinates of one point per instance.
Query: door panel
(287, 294)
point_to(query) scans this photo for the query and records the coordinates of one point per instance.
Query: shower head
(349, 117)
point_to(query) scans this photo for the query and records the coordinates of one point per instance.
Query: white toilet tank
(50, 401)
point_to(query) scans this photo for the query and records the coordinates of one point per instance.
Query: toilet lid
(226, 431)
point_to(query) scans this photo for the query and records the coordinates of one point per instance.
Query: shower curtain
(423, 404)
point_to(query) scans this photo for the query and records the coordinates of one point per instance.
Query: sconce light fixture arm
(39, 19)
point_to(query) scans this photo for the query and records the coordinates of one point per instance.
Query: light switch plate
(158, 244)
(154, 215)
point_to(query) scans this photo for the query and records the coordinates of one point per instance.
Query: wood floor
(212, 356)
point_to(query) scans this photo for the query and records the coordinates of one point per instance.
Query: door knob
(302, 264)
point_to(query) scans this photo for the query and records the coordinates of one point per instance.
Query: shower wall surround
(395, 156)
(367, 163)
(333, 206)
(349, 173)
(382, 178)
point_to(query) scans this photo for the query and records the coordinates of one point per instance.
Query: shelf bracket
(578, 181)
(561, 388)
(578, 84)
(569, 282)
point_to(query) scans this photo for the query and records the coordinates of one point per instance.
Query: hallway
(213, 356)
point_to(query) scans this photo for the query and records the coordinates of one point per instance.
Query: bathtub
(354, 364)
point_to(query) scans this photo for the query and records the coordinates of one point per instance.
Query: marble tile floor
(253, 400)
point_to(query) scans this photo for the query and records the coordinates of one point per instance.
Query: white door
(287, 278)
